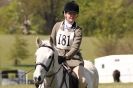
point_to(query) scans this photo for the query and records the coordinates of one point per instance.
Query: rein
(27, 72)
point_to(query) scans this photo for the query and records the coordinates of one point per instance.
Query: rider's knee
(83, 80)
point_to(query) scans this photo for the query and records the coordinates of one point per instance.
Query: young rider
(67, 36)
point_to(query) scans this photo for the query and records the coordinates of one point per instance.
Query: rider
(67, 36)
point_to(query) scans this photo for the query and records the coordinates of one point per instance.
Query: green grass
(18, 86)
(6, 43)
(88, 48)
(114, 85)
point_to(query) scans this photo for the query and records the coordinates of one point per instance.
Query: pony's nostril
(35, 79)
(39, 78)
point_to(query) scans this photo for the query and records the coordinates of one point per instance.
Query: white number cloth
(64, 39)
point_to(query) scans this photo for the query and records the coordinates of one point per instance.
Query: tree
(106, 17)
(44, 13)
(19, 50)
(95, 17)
(106, 45)
(9, 18)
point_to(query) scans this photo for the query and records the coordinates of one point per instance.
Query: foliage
(111, 45)
(106, 17)
(96, 17)
(91, 48)
(9, 18)
(108, 20)
(105, 45)
(42, 13)
(125, 45)
(19, 50)
(47, 12)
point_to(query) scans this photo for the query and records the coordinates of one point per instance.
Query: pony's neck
(56, 65)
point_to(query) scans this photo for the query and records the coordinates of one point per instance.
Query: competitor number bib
(64, 39)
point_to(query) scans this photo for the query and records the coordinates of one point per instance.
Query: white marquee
(108, 64)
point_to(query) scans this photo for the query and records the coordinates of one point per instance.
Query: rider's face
(70, 16)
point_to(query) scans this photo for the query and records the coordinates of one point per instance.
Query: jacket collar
(72, 27)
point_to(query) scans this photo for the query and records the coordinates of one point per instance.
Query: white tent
(108, 64)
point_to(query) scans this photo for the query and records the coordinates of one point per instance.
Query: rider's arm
(53, 33)
(76, 44)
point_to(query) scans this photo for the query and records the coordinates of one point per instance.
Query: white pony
(50, 73)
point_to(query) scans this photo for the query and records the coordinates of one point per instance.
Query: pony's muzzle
(37, 80)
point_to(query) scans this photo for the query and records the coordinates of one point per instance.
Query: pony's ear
(38, 42)
(51, 41)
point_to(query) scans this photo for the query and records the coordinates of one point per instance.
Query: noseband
(44, 66)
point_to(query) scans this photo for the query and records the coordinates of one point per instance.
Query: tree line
(110, 21)
(96, 17)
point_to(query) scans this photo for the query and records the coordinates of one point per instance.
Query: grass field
(115, 85)
(6, 43)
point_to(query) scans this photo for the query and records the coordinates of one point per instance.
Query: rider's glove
(61, 59)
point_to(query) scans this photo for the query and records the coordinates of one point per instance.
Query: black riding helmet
(71, 7)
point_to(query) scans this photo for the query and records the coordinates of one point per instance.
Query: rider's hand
(61, 59)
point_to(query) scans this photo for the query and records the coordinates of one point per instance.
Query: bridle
(52, 59)
(48, 67)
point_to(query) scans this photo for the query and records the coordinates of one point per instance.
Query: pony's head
(44, 60)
